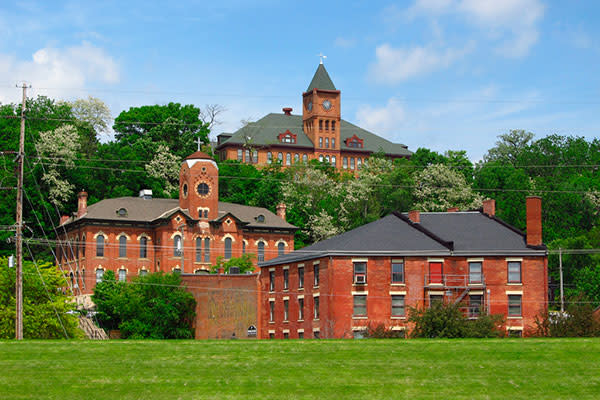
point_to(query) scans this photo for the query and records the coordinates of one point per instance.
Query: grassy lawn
(326, 369)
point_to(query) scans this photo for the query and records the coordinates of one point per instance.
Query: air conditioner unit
(360, 278)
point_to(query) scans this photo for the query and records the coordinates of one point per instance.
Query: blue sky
(441, 74)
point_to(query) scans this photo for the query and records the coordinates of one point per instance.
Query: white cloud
(58, 71)
(344, 42)
(386, 119)
(394, 65)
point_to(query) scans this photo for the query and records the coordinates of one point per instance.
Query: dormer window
(122, 212)
(354, 142)
(287, 137)
(260, 218)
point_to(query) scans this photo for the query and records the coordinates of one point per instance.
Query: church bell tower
(199, 186)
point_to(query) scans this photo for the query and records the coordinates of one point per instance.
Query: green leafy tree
(48, 313)
(245, 263)
(154, 306)
(439, 188)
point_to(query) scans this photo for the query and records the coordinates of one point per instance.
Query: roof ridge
(446, 243)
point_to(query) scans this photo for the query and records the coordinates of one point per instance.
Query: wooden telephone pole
(19, 222)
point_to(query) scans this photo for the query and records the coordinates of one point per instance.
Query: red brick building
(135, 235)
(372, 274)
(319, 133)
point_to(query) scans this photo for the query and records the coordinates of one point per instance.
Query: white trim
(515, 317)
(281, 241)
(514, 328)
(475, 292)
(301, 330)
(227, 235)
(363, 317)
(514, 284)
(286, 298)
(359, 328)
(316, 329)
(396, 317)
(286, 331)
(99, 267)
(479, 259)
(366, 260)
(316, 294)
(256, 242)
(432, 260)
(100, 233)
(300, 265)
(271, 269)
(124, 234)
(176, 233)
(271, 299)
(509, 259)
(398, 328)
(190, 163)
(144, 234)
(300, 296)
(365, 293)
(436, 292)
(272, 331)
(286, 267)
(398, 293)
(316, 263)
(397, 261)
(514, 292)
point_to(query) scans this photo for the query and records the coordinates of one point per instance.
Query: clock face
(309, 106)
(327, 105)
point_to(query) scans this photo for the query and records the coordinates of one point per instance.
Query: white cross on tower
(322, 57)
(198, 141)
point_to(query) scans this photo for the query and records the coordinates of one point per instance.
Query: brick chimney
(489, 207)
(281, 207)
(534, 220)
(82, 203)
(414, 216)
(452, 209)
(287, 110)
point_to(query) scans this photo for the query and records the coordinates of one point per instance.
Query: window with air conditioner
(360, 273)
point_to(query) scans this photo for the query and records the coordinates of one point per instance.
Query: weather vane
(322, 57)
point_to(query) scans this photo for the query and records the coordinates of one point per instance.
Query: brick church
(136, 235)
(319, 133)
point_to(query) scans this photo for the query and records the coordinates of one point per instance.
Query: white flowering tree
(439, 187)
(165, 166)
(58, 149)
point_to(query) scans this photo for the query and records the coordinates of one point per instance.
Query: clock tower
(199, 186)
(321, 112)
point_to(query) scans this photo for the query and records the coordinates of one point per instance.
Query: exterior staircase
(91, 330)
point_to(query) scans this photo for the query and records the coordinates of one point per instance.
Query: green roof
(264, 132)
(321, 80)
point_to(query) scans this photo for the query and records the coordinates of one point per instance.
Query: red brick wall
(225, 304)
(336, 291)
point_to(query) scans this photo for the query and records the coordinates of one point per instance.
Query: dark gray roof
(149, 210)
(264, 132)
(438, 234)
(321, 80)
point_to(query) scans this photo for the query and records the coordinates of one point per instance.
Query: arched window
(280, 248)
(100, 246)
(321, 142)
(198, 249)
(243, 247)
(326, 142)
(280, 157)
(206, 250)
(240, 154)
(177, 246)
(143, 247)
(326, 125)
(228, 242)
(321, 158)
(77, 248)
(122, 246)
(269, 157)
(83, 246)
(261, 251)
(333, 129)
(352, 163)
(122, 275)
(327, 159)
(247, 154)
(288, 159)
(296, 158)
(333, 143)
(333, 161)
(99, 274)
(358, 162)
(143, 272)
(304, 158)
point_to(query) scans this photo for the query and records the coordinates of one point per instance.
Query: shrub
(578, 320)
(381, 332)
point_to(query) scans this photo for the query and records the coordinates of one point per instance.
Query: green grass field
(309, 369)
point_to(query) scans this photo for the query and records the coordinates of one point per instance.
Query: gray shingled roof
(321, 80)
(148, 210)
(264, 132)
(438, 234)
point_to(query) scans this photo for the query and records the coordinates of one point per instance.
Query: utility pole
(19, 222)
(562, 295)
